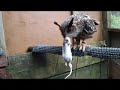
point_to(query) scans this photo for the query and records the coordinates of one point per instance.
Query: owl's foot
(74, 46)
(83, 46)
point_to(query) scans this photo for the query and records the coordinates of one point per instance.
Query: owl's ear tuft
(71, 22)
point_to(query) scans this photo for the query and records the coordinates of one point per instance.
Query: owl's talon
(80, 47)
(75, 46)
(83, 46)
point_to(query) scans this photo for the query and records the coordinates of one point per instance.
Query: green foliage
(115, 21)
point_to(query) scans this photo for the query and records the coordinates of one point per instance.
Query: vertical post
(106, 36)
(2, 37)
(105, 25)
(3, 58)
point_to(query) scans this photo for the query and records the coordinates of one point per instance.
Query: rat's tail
(70, 65)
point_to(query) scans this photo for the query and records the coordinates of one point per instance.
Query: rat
(67, 54)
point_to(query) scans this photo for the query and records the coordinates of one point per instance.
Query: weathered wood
(105, 26)
(106, 35)
(3, 61)
(115, 70)
(89, 72)
(4, 74)
(28, 66)
(2, 37)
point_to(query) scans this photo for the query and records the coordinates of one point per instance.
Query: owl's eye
(78, 23)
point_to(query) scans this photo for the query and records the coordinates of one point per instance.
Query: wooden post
(2, 37)
(3, 58)
(106, 36)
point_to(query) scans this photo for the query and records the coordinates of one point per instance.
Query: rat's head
(67, 40)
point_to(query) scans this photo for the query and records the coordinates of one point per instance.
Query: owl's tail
(29, 49)
(56, 24)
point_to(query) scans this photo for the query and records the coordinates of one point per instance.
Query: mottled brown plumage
(78, 27)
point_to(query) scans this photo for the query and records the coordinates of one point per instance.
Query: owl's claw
(74, 46)
(83, 46)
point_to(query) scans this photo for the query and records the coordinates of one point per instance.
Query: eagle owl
(78, 27)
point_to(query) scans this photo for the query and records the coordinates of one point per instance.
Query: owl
(78, 27)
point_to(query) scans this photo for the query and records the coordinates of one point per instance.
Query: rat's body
(67, 54)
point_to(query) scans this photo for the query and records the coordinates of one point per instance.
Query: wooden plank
(4, 74)
(2, 37)
(105, 27)
(3, 61)
(114, 30)
(106, 35)
(115, 70)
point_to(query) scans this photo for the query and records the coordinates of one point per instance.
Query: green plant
(115, 21)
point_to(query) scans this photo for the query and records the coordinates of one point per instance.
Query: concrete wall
(24, 29)
(29, 28)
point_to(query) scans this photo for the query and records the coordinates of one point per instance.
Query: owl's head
(90, 25)
(66, 27)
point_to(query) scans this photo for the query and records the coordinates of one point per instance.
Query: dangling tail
(70, 65)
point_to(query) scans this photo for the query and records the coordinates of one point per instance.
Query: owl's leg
(83, 45)
(74, 44)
